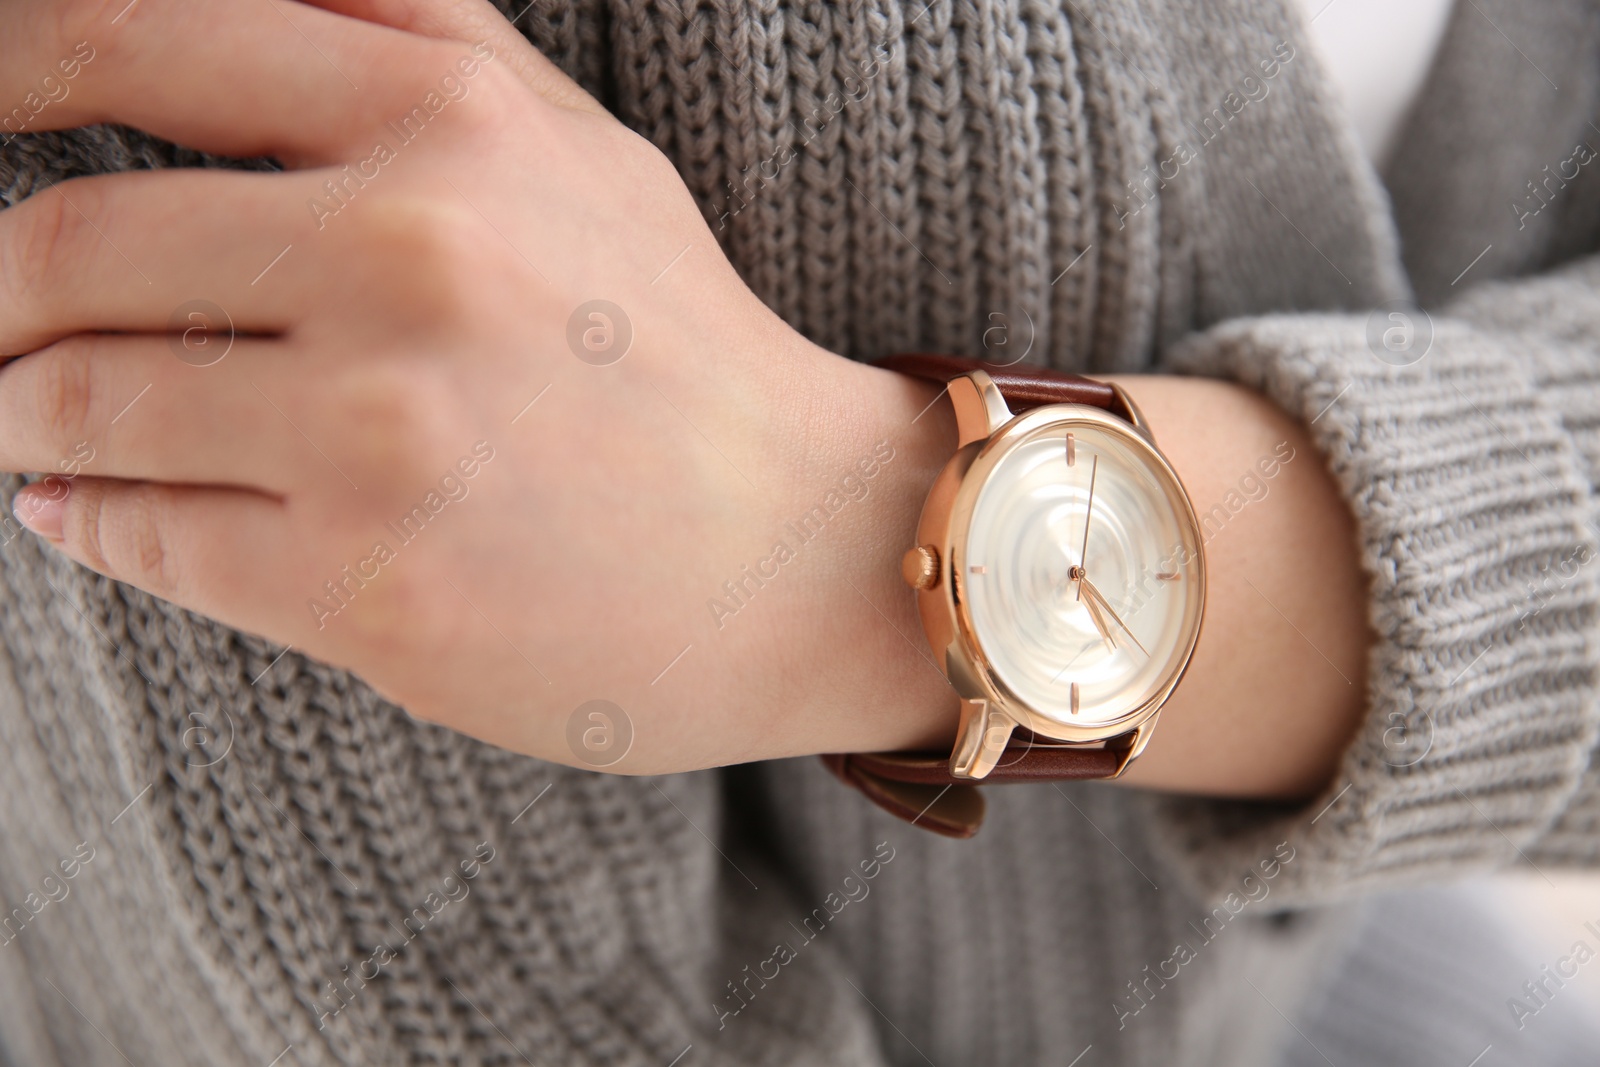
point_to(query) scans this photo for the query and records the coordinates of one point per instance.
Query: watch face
(1082, 573)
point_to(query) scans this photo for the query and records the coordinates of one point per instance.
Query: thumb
(472, 21)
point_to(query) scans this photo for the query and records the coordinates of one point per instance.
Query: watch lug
(980, 409)
(1138, 738)
(981, 739)
(1137, 416)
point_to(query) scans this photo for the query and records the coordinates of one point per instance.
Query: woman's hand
(467, 400)
(371, 408)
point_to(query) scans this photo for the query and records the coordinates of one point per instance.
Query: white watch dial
(1082, 573)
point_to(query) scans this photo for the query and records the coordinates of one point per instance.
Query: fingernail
(40, 507)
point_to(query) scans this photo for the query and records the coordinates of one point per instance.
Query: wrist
(857, 674)
(1276, 687)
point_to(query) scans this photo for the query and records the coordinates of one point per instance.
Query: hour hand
(1094, 609)
(1096, 599)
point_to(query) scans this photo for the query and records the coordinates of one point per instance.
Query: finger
(473, 21)
(264, 78)
(126, 251)
(221, 552)
(153, 408)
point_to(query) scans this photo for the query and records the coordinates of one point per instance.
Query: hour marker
(1074, 698)
(978, 568)
(1072, 451)
(1168, 576)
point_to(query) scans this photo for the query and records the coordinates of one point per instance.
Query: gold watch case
(936, 568)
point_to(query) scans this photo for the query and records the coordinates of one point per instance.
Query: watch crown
(920, 567)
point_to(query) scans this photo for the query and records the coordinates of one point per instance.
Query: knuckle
(122, 534)
(38, 235)
(501, 91)
(422, 258)
(441, 239)
(82, 20)
(468, 104)
(399, 417)
(66, 392)
(143, 529)
(55, 229)
(429, 269)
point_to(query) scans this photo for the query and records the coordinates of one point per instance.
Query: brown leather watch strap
(1023, 386)
(918, 786)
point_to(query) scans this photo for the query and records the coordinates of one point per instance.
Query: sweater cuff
(1473, 510)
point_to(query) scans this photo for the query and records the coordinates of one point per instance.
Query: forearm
(1276, 686)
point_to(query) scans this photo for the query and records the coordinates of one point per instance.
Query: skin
(425, 323)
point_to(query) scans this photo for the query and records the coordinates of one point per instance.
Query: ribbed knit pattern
(1553, 324)
(978, 176)
(1472, 505)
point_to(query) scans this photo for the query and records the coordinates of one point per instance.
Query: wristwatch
(1060, 574)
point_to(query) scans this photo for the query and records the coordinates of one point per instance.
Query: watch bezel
(946, 520)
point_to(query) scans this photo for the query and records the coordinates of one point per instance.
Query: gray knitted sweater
(213, 853)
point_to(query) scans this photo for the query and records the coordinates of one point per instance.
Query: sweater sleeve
(1472, 473)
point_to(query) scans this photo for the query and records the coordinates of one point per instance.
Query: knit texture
(994, 177)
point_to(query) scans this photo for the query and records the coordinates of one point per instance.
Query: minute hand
(1094, 594)
(1088, 516)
